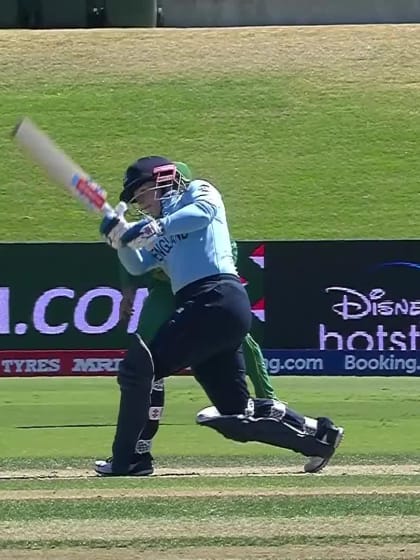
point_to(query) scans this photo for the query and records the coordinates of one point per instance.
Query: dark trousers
(205, 332)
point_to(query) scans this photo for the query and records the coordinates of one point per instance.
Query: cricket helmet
(184, 170)
(163, 173)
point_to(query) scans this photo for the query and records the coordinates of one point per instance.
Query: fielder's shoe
(142, 465)
(330, 434)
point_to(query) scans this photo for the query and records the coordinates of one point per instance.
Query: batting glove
(112, 228)
(144, 234)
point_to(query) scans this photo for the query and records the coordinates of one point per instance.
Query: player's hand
(113, 227)
(144, 234)
(126, 307)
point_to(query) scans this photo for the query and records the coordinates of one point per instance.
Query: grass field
(309, 133)
(210, 498)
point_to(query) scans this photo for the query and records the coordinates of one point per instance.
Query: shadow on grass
(100, 425)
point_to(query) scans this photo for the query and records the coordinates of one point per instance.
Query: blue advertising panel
(342, 307)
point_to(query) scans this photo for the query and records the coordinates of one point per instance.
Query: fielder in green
(157, 308)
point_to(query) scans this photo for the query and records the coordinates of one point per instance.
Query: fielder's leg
(256, 369)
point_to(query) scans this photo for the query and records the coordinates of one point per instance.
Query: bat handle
(107, 210)
(118, 211)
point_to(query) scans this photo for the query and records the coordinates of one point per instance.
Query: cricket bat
(60, 167)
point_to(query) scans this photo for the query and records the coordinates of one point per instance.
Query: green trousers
(159, 306)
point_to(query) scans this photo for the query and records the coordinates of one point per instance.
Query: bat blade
(60, 167)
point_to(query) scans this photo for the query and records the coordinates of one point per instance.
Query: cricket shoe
(328, 433)
(141, 465)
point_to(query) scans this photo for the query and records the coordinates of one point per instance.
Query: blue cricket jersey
(195, 242)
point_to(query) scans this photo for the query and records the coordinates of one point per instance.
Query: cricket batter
(185, 233)
(158, 308)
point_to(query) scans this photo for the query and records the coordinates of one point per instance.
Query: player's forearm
(190, 218)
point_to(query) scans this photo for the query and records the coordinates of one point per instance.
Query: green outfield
(310, 133)
(210, 497)
(71, 421)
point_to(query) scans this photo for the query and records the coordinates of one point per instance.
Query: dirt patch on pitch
(333, 470)
(373, 53)
(286, 552)
(121, 530)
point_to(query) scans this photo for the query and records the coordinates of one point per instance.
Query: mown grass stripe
(214, 483)
(350, 551)
(217, 507)
(192, 542)
(122, 529)
(119, 493)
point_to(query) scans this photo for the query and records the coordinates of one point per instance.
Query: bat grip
(118, 211)
(108, 211)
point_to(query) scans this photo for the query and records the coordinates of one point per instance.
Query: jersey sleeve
(204, 200)
(137, 261)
